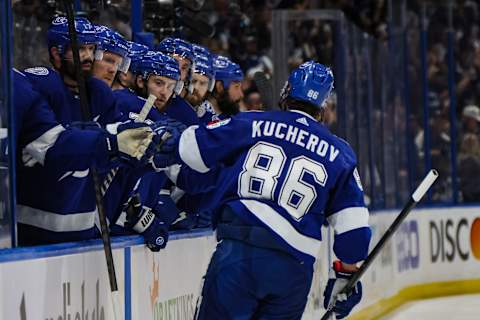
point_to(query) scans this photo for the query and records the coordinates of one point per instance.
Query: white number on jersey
(262, 168)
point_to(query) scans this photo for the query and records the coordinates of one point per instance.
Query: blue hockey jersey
(180, 110)
(206, 114)
(58, 206)
(287, 173)
(41, 139)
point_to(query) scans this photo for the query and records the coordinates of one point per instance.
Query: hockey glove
(129, 139)
(344, 302)
(162, 151)
(142, 220)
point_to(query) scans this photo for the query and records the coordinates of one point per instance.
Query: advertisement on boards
(166, 284)
(66, 287)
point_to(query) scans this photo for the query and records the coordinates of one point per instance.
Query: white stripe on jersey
(190, 152)
(39, 147)
(283, 228)
(349, 219)
(54, 221)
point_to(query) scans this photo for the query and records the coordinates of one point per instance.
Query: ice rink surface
(465, 307)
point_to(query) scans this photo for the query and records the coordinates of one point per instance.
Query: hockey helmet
(58, 36)
(112, 41)
(226, 70)
(311, 82)
(157, 63)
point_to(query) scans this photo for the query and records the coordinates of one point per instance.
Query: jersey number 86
(262, 170)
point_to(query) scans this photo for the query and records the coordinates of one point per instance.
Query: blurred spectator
(469, 168)
(470, 119)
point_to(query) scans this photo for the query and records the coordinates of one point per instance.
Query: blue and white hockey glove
(345, 302)
(163, 149)
(142, 220)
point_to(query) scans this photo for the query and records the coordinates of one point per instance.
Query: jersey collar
(303, 113)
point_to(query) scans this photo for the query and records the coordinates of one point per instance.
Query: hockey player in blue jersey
(228, 92)
(286, 175)
(111, 55)
(126, 80)
(159, 75)
(181, 51)
(202, 84)
(64, 208)
(42, 140)
(220, 105)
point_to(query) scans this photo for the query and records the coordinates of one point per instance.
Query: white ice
(464, 307)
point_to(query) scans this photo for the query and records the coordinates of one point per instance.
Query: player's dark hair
(293, 104)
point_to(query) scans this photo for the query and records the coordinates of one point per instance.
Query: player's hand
(142, 220)
(345, 302)
(162, 151)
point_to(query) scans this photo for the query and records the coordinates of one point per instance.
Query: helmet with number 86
(311, 82)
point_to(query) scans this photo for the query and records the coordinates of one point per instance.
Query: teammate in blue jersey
(64, 208)
(157, 74)
(181, 51)
(202, 84)
(228, 92)
(111, 55)
(42, 140)
(125, 80)
(221, 104)
(286, 175)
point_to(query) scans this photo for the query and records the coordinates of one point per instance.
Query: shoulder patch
(38, 71)
(218, 124)
(356, 175)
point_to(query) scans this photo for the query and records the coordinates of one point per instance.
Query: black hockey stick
(87, 116)
(412, 202)
(265, 88)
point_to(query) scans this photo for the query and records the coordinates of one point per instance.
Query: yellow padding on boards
(417, 292)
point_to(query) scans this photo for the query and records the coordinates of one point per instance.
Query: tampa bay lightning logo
(59, 21)
(39, 71)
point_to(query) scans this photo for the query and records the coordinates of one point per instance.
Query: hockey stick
(265, 88)
(412, 202)
(147, 106)
(87, 116)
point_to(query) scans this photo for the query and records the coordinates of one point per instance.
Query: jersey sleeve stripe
(54, 221)
(283, 228)
(38, 148)
(172, 172)
(349, 219)
(190, 152)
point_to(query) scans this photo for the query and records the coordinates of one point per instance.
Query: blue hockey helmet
(176, 46)
(58, 36)
(203, 64)
(159, 64)
(112, 41)
(135, 53)
(226, 70)
(311, 82)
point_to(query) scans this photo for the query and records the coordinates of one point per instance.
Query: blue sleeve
(77, 149)
(347, 214)
(192, 181)
(33, 114)
(180, 110)
(202, 148)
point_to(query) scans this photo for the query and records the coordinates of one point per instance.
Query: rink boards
(435, 252)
